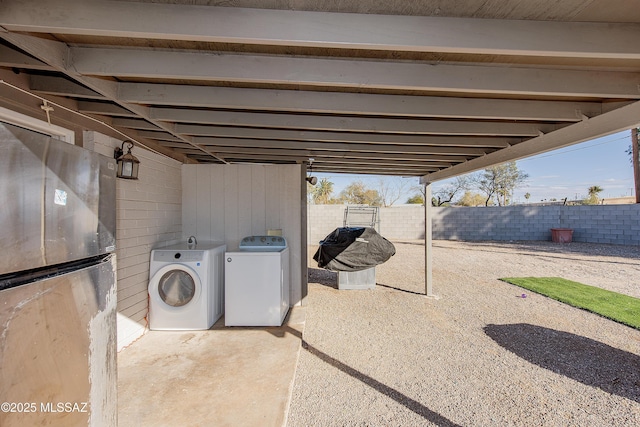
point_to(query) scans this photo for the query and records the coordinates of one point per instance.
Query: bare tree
(449, 191)
(391, 189)
(500, 181)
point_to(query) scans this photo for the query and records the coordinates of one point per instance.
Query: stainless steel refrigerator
(57, 283)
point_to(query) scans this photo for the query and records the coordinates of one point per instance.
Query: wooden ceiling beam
(323, 29)
(429, 127)
(353, 73)
(444, 161)
(624, 118)
(56, 55)
(316, 102)
(354, 103)
(341, 146)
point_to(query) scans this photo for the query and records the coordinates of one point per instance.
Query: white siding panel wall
(148, 215)
(229, 202)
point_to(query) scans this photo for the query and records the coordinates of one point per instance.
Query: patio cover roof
(429, 88)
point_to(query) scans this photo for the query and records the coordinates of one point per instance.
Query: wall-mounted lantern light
(311, 179)
(128, 164)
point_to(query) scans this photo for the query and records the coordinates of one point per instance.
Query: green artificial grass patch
(612, 305)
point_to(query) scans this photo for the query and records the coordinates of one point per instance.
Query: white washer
(257, 282)
(186, 286)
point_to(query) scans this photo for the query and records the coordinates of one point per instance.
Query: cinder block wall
(322, 220)
(617, 224)
(495, 223)
(402, 222)
(148, 214)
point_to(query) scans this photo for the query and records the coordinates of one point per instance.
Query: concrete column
(428, 259)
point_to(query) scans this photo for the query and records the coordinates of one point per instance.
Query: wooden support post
(635, 152)
(428, 260)
(303, 234)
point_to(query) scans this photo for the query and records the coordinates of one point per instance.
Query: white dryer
(257, 282)
(186, 286)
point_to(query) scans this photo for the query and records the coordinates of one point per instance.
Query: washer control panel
(263, 243)
(177, 256)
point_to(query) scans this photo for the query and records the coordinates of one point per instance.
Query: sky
(567, 172)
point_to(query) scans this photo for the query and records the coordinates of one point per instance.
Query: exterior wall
(148, 214)
(229, 202)
(400, 222)
(403, 222)
(322, 220)
(617, 224)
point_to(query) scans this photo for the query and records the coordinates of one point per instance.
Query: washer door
(175, 285)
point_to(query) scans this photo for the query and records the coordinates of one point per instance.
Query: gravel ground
(481, 354)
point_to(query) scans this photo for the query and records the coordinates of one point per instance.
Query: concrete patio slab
(225, 376)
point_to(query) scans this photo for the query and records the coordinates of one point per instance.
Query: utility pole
(635, 152)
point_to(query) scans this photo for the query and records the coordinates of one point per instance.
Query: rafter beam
(482, 143)
(321, 160)
(372, 170)
(442, 161)
(345, 103)
(60, 86)
(161, 64)
(615, 121)
(329, 136)
(327, 156)
(375, 163)
(351, 103)
(12, 58)
(160, 136)
(341, 146)
(322, 29)
(337, 122)
(104, 108)
(354, 103)
(403, 173)
(431, 127)
(56, 55)
(136, 123)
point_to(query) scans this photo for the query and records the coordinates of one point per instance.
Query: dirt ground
(480, 354)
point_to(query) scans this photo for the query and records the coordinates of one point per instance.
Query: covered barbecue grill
(349, 250)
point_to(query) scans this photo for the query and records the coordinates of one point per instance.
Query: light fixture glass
(128, 164)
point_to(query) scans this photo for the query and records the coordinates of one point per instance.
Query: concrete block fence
(616, 224)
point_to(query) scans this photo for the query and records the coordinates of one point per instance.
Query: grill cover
(353, 249)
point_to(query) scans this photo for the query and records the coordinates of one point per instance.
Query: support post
(303, 235)
(428, 259)
(635, 152)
